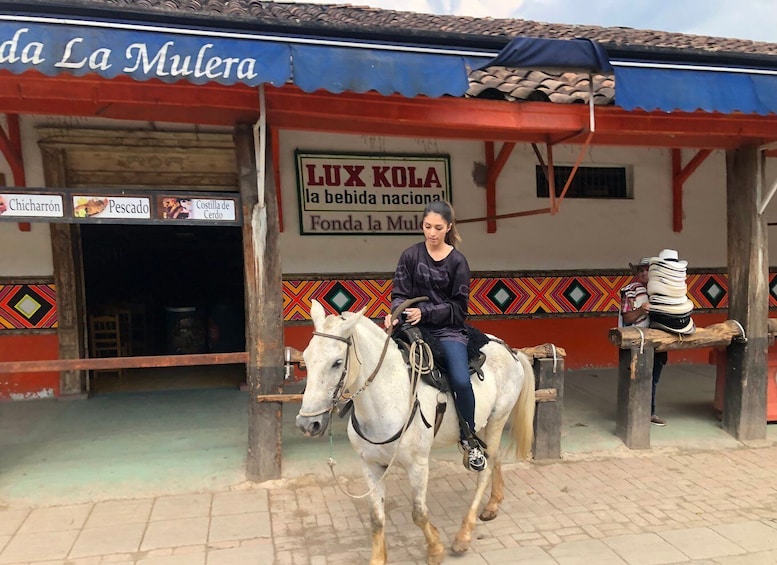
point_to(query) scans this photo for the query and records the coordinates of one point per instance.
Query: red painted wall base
(24, 386)
(584, 339)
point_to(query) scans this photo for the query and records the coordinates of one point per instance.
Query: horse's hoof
(435, 559)
(460, 546)
(488, 515)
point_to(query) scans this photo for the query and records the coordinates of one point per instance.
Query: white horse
(350, 356)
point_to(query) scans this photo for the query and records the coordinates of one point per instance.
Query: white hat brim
(685, 307)
(670, 264)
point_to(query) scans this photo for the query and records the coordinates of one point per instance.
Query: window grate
(589, 182)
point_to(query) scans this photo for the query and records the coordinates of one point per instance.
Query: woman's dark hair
(445, 210)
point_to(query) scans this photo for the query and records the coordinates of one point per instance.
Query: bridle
(340, 391)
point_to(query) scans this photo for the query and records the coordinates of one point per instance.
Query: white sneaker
(474, 458)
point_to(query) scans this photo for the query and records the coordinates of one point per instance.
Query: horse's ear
(351, 320)
(317, 313)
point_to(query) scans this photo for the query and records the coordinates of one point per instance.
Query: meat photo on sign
(176, 208)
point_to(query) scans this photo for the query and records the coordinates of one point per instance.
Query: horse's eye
(337, 364)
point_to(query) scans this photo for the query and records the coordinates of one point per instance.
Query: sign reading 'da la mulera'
(31, 205)
(57, 46)
(376, 194)
(111, 207)
(197, 209)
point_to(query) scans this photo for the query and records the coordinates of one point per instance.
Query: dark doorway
(174, 290)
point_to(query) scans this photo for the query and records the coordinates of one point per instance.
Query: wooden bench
(635, 370)
(548, 364)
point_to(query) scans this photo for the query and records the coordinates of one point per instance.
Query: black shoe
(656, 421)
(474, 458)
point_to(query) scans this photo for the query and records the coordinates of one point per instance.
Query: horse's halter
(339, 392)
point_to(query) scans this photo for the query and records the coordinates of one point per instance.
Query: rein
(340, 393)
(341, 383)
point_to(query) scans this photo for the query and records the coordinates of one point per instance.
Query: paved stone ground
(716, 507)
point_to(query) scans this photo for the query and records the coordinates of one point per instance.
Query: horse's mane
(373, 326)
(366, 323)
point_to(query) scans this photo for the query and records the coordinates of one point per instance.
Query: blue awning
(340, 69)
(537, 53)
(111, 49)
(682, 90)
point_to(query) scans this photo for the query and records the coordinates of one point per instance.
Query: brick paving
(716, 507)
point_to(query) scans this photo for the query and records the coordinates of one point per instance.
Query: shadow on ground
(130, 444)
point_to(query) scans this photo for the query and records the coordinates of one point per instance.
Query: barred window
(589, 182)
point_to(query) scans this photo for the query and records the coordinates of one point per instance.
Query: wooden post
(744, 407)
(264, 309)
(635, 381)
(548, 374)
(68, 280)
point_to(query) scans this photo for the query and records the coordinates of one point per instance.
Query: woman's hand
(412, 315)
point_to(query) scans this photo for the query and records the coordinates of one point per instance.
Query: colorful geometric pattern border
(527, 296)
(33, 306)
(28, 307)
(336, 296)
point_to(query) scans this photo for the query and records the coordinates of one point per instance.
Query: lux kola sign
(360, 194)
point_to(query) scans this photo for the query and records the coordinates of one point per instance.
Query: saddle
(406, 335)
(435, 373)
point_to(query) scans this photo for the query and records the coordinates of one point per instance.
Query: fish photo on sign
(88, 207)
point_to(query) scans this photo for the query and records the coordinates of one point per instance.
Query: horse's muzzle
(313, 426)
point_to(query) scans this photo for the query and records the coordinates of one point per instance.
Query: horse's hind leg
(419, 477)
(464, 535)
(494, 439)
(372, 473)
(491, 509)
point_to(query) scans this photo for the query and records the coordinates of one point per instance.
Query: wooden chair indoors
(125, 330)
(105, 340)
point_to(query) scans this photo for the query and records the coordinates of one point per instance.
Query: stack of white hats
(670, 309)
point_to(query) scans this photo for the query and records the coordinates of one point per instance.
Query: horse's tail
(522, 417)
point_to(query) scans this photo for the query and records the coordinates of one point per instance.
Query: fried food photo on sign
(88, 207)
(3, 206)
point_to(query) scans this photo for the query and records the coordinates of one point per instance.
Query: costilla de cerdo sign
(343, 194)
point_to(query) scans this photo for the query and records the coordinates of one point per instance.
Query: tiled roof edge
(361, 23)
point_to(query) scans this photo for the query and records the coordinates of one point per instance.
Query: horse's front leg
(419, 480)
(373, 473)
(493, 437)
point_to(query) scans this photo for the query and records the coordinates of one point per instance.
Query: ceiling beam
(374, 114)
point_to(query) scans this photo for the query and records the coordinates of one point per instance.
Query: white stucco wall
(585, 234)
(26, 254)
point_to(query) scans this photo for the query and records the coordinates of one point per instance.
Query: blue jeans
(458, 376)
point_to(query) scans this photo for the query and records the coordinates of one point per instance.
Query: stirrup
(474, 458)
